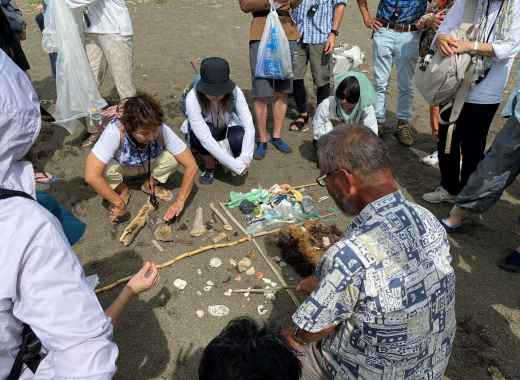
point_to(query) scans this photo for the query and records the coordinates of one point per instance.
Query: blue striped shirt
(401, 11)
(316, 29)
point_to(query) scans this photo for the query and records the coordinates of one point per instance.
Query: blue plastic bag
(274, 54)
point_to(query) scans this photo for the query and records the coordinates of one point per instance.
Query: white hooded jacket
(42, 281)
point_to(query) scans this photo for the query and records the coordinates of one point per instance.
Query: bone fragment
(199, 228)
(131, 231)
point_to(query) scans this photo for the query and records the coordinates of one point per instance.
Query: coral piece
(199, 228)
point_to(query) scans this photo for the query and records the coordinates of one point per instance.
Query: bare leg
(279, 112)
(261, 119)
(456, 216)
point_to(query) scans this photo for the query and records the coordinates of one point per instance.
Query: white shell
(210, 283)
(244, 264)
(218, 310)
(282, 264)
(207, 288)
(262, 309)
(215, 262)
(251, 271)
(180, 284)
(200, 313)
(228, 292)
(199, 271)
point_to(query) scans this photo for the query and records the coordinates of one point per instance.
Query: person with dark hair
(139, 143)
(352, 102)
(246, 351)
(382, 299)
(318, 23)
(219, 124)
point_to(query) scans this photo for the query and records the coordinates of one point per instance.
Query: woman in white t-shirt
(219, 124)
(139, 143)
(493, 52)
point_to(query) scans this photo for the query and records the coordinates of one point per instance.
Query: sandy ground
(160, 335)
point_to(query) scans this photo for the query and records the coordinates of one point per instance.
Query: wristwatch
(335, 32)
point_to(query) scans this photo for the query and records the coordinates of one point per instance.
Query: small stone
(228, 292)
(282, 264)
(274, 284)
(270, 295)
(266, 280)
(246, 295)
(182, 227)
(207, 288)
(251, 255)
(218, 310)
(244, 264)
(200, 313)
(215, 262)
(262, 309)
(238, 278)
(199, 271)
(210, 283)
(277, 258)
(199, 293)
(251, 271)
(259, 275)
(180, 284)
(233, 262)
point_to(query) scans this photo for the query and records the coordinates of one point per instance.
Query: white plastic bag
(76, 89)
(274, 59)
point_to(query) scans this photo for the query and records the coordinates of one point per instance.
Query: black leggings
(300, 94)
(469, 138)
(235, 136)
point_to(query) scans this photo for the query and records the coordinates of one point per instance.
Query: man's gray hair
(354, 148)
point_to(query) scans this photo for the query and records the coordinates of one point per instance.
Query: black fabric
(235, 136)
(266, 13)
(469, 140)
(29, 352)
(10, 43)
(322, 93)
(300, 95)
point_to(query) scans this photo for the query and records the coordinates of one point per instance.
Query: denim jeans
(401, 48)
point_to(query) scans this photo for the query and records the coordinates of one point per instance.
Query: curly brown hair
(141, 111)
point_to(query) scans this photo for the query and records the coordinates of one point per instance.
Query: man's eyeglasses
(321, 179)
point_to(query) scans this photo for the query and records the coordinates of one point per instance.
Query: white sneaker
(431, 160)
(438, 196)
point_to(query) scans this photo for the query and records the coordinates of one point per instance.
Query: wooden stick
(224, 221)
(157, 245)
(131, 231)
(281, 280)
(305, 186)
(190, 254)
(261, 291)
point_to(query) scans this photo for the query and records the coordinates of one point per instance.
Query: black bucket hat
(214, 77)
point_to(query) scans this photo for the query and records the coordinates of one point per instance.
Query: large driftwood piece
(200, 250)
(131, 231)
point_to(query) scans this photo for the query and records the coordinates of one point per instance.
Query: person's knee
(244, 348)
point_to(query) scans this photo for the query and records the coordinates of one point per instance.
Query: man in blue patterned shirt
(318, 23)
(382, 300)
(395, 40)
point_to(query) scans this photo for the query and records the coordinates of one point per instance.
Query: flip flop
(299, 126)
(161, 193)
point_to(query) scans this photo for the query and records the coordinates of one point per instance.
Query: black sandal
(299, 126)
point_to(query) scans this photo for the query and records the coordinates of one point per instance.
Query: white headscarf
(20, 125)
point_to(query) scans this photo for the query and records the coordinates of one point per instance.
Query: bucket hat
(214, 77)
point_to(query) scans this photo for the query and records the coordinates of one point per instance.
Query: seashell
(180, 284)
(218, 310)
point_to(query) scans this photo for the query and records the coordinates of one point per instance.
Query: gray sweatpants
(495, 172)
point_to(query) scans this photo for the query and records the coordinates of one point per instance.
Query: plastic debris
(247, 207)
(215, 262)
(218, 310)
(255, 196)
(180, 284)
(92, 281)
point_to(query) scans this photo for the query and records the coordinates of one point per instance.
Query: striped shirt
(315, 29)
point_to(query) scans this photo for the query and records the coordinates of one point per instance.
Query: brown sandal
(297, 125)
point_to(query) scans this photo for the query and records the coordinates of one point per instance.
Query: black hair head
(349, 90)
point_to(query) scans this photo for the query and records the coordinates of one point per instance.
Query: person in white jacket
(219, 124)
(43, 284)
(352, 103)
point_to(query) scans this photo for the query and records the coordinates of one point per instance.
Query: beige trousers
(115, 53)
(161, 169)
(313, 362)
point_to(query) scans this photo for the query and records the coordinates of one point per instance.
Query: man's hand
(372, 23)
(287, 334)
(145, 279)
(447, 44)
(174, 210)
(464, 47)
(437, 19)
(329, 45)
(307, 285)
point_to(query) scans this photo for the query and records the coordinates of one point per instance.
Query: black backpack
(29, 353)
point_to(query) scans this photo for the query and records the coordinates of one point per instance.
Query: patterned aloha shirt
(389, 287)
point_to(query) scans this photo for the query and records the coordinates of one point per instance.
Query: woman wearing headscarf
(352, 102)
(493, 51)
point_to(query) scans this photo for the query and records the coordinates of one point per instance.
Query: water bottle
(308, 205)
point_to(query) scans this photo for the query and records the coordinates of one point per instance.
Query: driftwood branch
(200, 250)
(135, 226)
(224, 221)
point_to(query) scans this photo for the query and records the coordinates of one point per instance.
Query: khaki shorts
(313, 362)
(320, 63)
